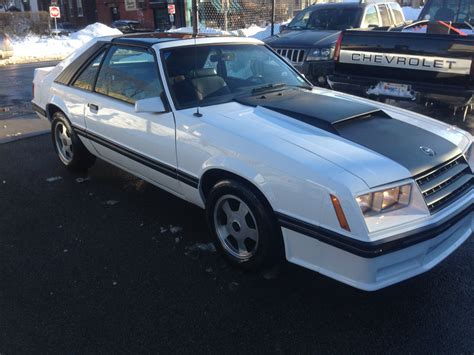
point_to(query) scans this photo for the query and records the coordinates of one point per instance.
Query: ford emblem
(428, 151)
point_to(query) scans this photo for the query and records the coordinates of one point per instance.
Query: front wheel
(243, 225)
(70, 150)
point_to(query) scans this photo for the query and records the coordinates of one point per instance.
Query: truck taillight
(337, 49)
(33, 89)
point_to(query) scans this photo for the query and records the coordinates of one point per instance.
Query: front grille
(445, 184)
(296, 56)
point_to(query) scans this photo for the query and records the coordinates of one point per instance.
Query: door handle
(93, 108)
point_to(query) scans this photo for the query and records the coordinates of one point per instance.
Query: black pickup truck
(308, 41)
(429, 60)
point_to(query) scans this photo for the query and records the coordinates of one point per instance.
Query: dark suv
(309, 39)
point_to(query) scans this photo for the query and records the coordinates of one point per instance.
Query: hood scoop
(320, 111)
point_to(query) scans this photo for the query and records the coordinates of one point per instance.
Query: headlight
(385, 200)
(469, 155)
(320, 54)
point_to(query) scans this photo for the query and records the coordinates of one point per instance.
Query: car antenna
(195, 34)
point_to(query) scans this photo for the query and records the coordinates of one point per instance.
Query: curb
(29, 60)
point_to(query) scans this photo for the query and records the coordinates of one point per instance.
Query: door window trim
(132, 47)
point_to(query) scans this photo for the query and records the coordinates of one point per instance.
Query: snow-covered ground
(37, 48)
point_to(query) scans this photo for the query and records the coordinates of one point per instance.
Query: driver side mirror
(150, 105)
(282, 28)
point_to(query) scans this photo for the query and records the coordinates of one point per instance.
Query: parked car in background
(6, 47)
(129, 26)
(429, 60)
(457, 11)
(365, 193)
(64, 29)
(310, 38)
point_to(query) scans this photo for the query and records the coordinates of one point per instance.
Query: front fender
(244, 171)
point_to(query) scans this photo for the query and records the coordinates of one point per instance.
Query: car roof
(173, 39)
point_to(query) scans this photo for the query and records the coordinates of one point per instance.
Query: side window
(86, 79)
(397, 13)
(466, 11)
(371, 18)
(444, 10)
(129, 74)
(301, 20)
(384, 15)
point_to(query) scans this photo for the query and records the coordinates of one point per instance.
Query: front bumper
(382, 266)
(358, 85)
(318, 71)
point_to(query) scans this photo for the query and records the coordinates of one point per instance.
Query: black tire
(268, 250)
(75, 159)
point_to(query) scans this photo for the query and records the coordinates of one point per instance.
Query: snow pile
(202, 29)
(34, 48)
(261, 32)
(253, 31)
(411, 13)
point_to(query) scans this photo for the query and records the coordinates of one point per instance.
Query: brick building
(78, 12)
(152, 14)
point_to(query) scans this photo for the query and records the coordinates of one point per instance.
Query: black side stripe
(38, 109)
(153, 164)
(371, 249)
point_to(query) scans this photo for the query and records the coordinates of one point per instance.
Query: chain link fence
(230, 15)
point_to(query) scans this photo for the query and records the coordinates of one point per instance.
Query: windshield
(449, 10)
(213, 74)
(336, 19)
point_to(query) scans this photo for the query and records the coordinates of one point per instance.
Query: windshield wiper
(268, 87)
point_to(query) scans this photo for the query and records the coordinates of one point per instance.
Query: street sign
(54, 12)
(171, 9)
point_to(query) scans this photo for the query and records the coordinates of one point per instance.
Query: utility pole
(225, 10)
(195, 18)
(273, 18)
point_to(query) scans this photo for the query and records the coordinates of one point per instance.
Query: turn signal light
(340, 213)
(337, 49)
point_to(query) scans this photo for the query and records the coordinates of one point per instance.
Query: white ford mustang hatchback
(362, 192)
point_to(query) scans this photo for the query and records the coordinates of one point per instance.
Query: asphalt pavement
(106, 263)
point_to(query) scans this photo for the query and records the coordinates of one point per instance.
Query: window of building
(71, 8)
(80, 10)
(129, 75)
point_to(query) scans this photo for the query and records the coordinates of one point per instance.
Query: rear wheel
(243, 225)
(70, 150)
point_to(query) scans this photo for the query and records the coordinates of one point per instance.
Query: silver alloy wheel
(236, 227)
(62, 138)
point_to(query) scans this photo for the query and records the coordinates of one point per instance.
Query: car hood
(303, 38)
(378, 145)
